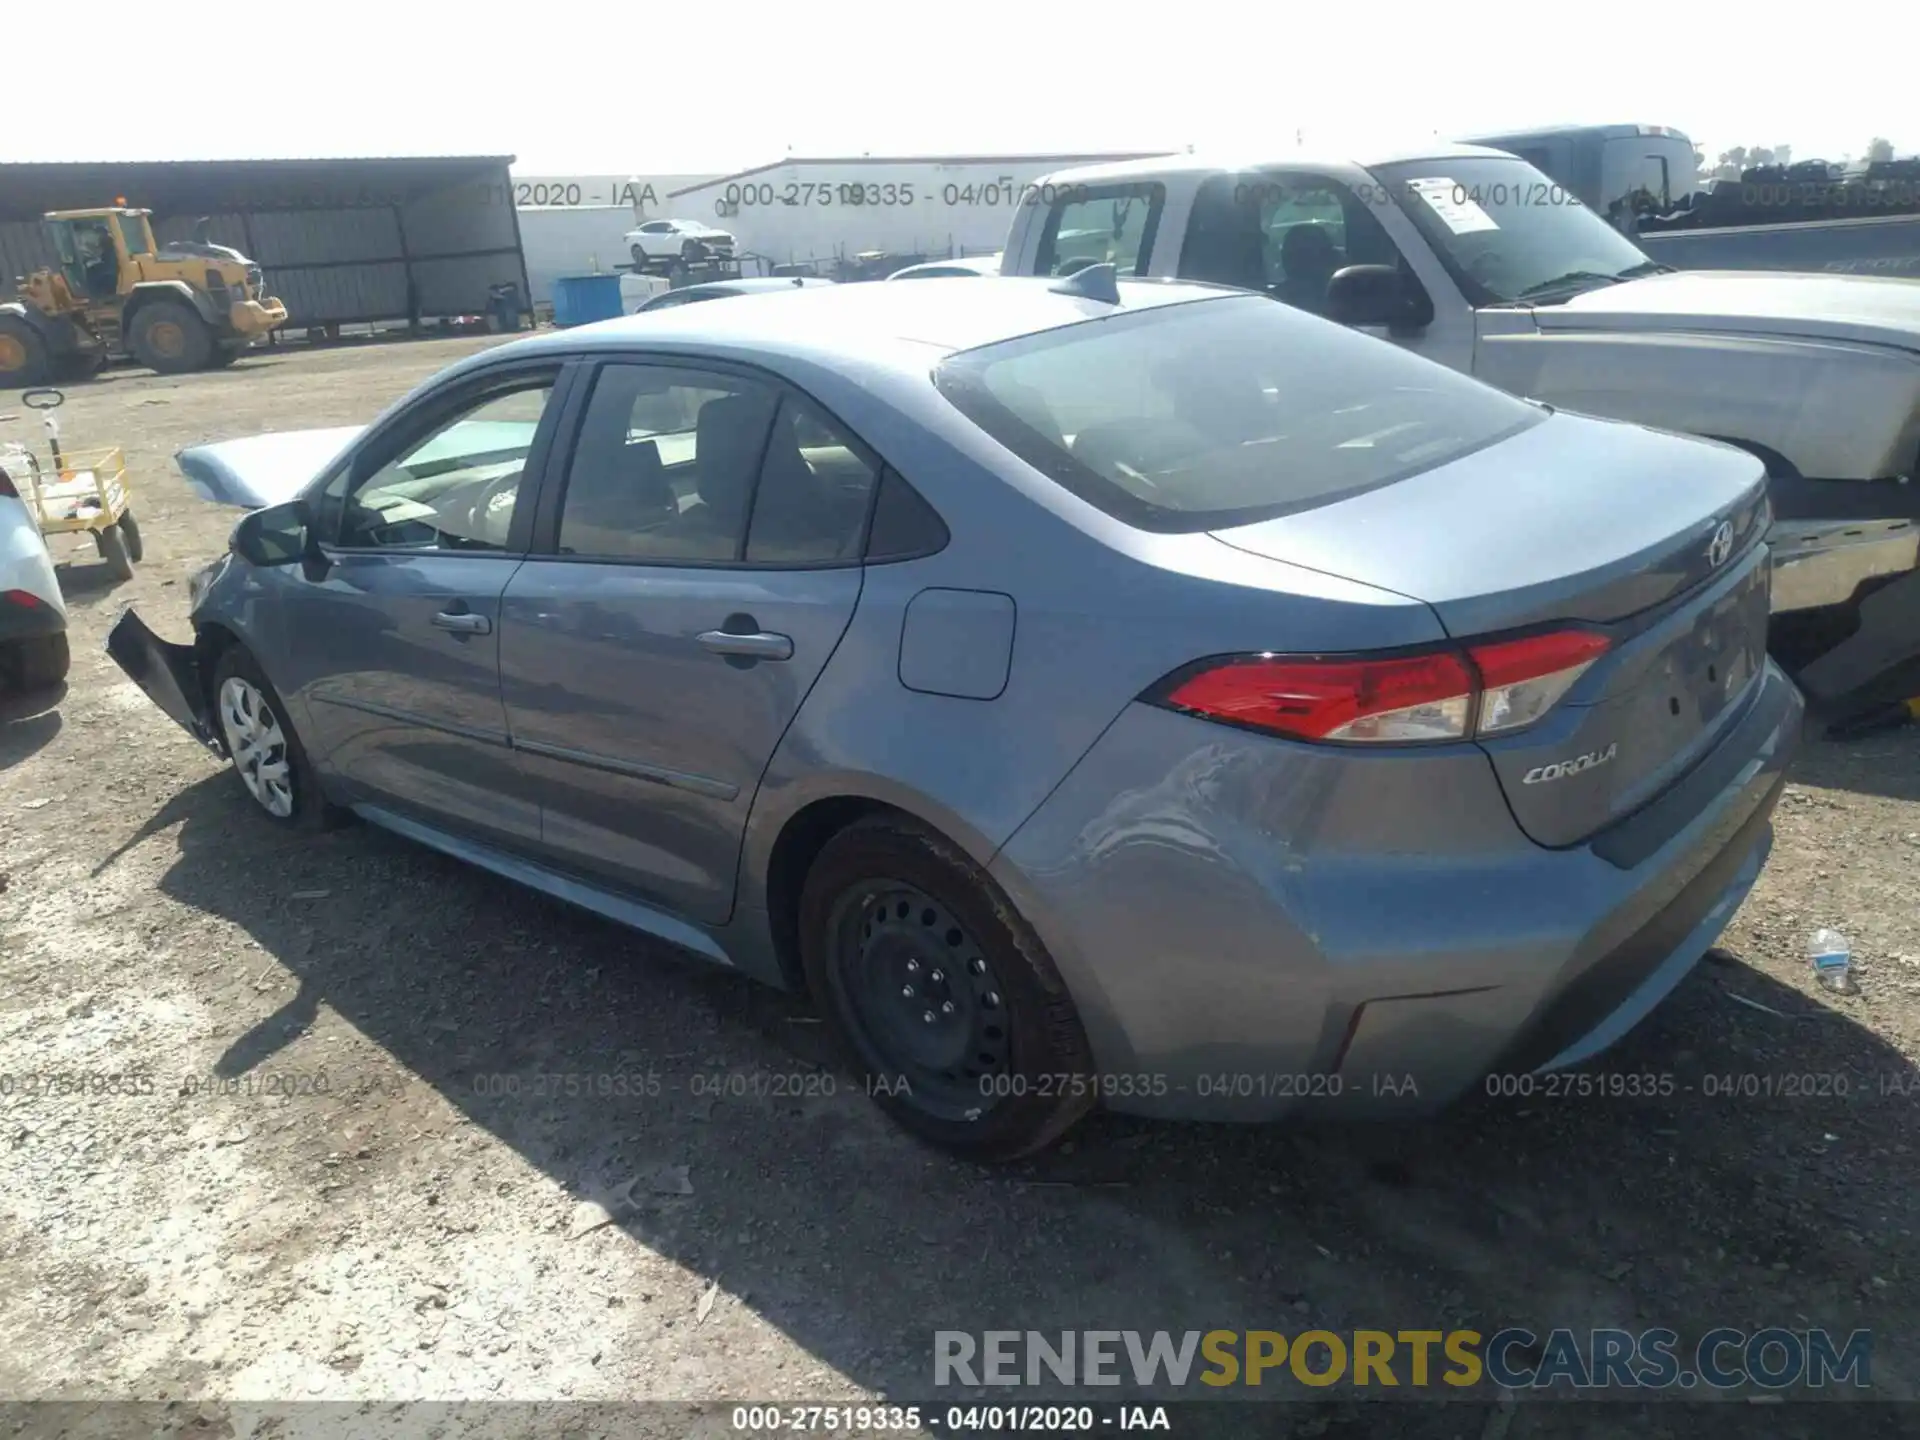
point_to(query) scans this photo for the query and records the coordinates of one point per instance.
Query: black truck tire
(169, 336)
(23, 355)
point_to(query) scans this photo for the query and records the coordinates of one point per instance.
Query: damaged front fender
(170, 676)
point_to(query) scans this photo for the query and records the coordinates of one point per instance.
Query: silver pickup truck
(1472, 257)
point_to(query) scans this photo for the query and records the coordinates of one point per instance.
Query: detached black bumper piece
(168, 673)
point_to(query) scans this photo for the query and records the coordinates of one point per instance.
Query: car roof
(1217, 162)
(747, 285)
(973, 264)
(893, 325)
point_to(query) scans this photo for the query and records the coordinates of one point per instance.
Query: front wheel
(129, 529)
(642, 262)
(941, 994)
(113, 549)
(268, 758)
(171, 338)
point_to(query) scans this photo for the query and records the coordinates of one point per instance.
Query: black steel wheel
(941, 994)
(920, 995)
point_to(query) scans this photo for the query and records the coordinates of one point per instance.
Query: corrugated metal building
(341, 241)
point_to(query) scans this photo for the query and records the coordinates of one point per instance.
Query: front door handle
(463, 622)
(756, 646)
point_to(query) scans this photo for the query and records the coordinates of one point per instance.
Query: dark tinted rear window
(1222, 412)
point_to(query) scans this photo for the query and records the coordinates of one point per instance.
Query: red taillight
(1402, 697)
(26, 599)
(1434, 695)
(1522, 679)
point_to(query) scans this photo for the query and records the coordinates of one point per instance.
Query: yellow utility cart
(84, 491)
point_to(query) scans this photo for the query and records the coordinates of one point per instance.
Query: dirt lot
(406, 1225)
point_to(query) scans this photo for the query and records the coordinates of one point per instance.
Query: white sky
(573, 90)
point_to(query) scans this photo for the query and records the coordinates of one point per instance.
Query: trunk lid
(1655, 540)
(261, 470)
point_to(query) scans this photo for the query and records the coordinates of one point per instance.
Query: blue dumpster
(583, 299)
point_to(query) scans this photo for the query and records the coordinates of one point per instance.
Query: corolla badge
(1721, 546)
(1560, 769)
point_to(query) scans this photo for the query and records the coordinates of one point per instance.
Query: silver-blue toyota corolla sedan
(1130, 693)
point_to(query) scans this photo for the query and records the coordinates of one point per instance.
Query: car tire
(642, 262)
(23, 355)
(690, 252)
(223, 356)
(112, 546)
(37, 663)
(169, 337)
(129, 529)
(267, 758)
(926, 974)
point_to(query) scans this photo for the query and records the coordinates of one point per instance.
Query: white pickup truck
(1475, 259)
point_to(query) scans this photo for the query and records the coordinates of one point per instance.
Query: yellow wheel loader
(187, 305)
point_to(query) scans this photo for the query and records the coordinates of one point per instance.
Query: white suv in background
(33, 614)
(661, 244)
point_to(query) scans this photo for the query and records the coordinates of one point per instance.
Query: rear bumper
(1268, 929)
(168, 673)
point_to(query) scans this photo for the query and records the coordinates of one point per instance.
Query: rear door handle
(758, 646)
(463, 623)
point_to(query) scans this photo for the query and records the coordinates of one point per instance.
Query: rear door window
(1222, 412)
(1284, 235)
(665, 466)
(816, 486)
(1102, 225)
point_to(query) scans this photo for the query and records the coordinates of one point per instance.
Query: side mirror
(276, 535)
(1376, 295)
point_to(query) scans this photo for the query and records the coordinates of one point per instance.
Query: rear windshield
(1217, 413)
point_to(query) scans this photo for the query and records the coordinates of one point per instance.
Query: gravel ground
(324, 1188)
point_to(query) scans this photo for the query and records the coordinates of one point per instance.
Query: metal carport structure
(342, 241)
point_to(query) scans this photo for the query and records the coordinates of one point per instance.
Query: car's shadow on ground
(85, 580)
(1741, 1160)
(1879, 762)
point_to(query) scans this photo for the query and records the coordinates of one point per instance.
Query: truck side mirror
(1377, 295)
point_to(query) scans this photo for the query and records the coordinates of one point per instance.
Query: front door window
(453, 489)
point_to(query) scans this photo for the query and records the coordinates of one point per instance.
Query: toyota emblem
(1721, 546)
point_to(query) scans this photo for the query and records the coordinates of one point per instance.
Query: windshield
(1507, 233)
(1223, 412)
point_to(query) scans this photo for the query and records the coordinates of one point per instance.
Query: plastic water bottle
(1831, 956)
